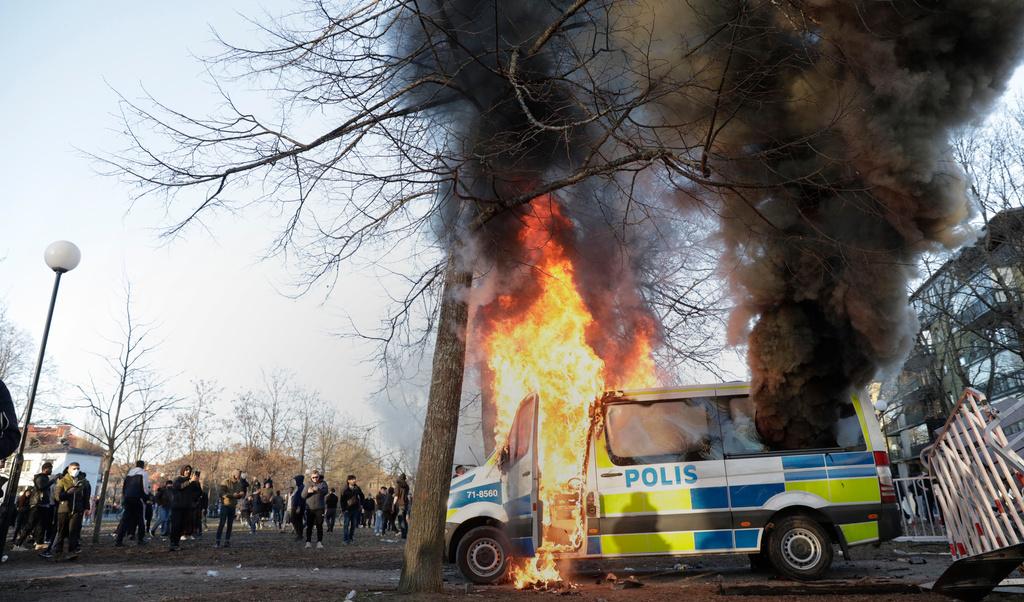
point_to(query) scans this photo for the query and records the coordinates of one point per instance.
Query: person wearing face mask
(72, 494)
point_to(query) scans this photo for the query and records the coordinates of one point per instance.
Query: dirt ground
(273, 566)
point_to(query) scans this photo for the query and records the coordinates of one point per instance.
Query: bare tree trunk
(424, 551)
(97, 512)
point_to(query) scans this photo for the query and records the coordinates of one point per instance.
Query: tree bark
(97, 511)
(424, 550)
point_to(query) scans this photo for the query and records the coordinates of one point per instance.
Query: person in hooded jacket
(186, 490)
(72, 494)
(298, 506)
(40, 510)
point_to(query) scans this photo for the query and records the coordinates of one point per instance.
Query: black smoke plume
(510, 116)
(830, 121)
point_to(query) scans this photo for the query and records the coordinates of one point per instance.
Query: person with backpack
(40, 510)
(352, 506)
(134, 489)
(72, 495)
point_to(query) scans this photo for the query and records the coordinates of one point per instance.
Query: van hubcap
(485, 557)
(801, 548)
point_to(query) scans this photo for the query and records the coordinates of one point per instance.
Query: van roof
(656, 393)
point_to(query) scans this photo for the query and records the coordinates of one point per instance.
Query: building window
(26, 466)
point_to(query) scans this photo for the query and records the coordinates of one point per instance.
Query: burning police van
(677, 471)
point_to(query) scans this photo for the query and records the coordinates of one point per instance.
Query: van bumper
(889, 526)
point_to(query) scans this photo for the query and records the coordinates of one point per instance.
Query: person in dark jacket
(186, 490)
(315, 503)
(331, 512)
(277, 509)
(352, 505)
(40, 509)
(199, 510)
(135, 492)
(72, 495)
(368, 508)
(10, 435)
(383, 504)
(298, 506)
(403, 500)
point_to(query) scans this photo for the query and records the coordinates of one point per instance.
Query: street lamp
(61, 256)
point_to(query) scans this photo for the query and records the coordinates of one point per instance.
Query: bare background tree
(195, 421)
(128, 400)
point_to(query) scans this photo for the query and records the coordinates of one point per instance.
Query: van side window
(737, 416)
(522, 431)
(660, 432)
(739, 431)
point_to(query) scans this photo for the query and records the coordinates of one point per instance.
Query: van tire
(483, 555)
(800, 548)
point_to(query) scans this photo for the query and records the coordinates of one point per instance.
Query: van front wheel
(799, 548)
(482, 555)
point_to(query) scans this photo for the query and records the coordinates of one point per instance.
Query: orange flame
(544, 349)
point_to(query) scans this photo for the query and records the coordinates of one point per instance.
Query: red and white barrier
(979, 479)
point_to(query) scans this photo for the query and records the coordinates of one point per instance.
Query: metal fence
(920, 516)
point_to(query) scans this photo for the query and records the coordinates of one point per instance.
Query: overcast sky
(219, 308)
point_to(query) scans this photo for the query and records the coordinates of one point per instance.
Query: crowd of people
(52, 511)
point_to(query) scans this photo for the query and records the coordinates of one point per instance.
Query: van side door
(661, 479)
(521, 474)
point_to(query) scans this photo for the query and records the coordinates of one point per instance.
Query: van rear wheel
(800, 548)
(483, 555)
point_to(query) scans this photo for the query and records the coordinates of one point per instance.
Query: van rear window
(668, 431)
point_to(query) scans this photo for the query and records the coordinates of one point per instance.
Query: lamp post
(61, 256)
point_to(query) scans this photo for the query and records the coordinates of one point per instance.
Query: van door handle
(527, 473)
(611, 474)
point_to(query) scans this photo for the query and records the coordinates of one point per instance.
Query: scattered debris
(315, 569)
(351, 595)
(864, 586)
(129, 585)
(917, 560)
(630, 582)
(212, 573)
(238, 567)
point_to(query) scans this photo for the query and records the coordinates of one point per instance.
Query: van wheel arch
(466, 527)
(807, 530)
(806, 511)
